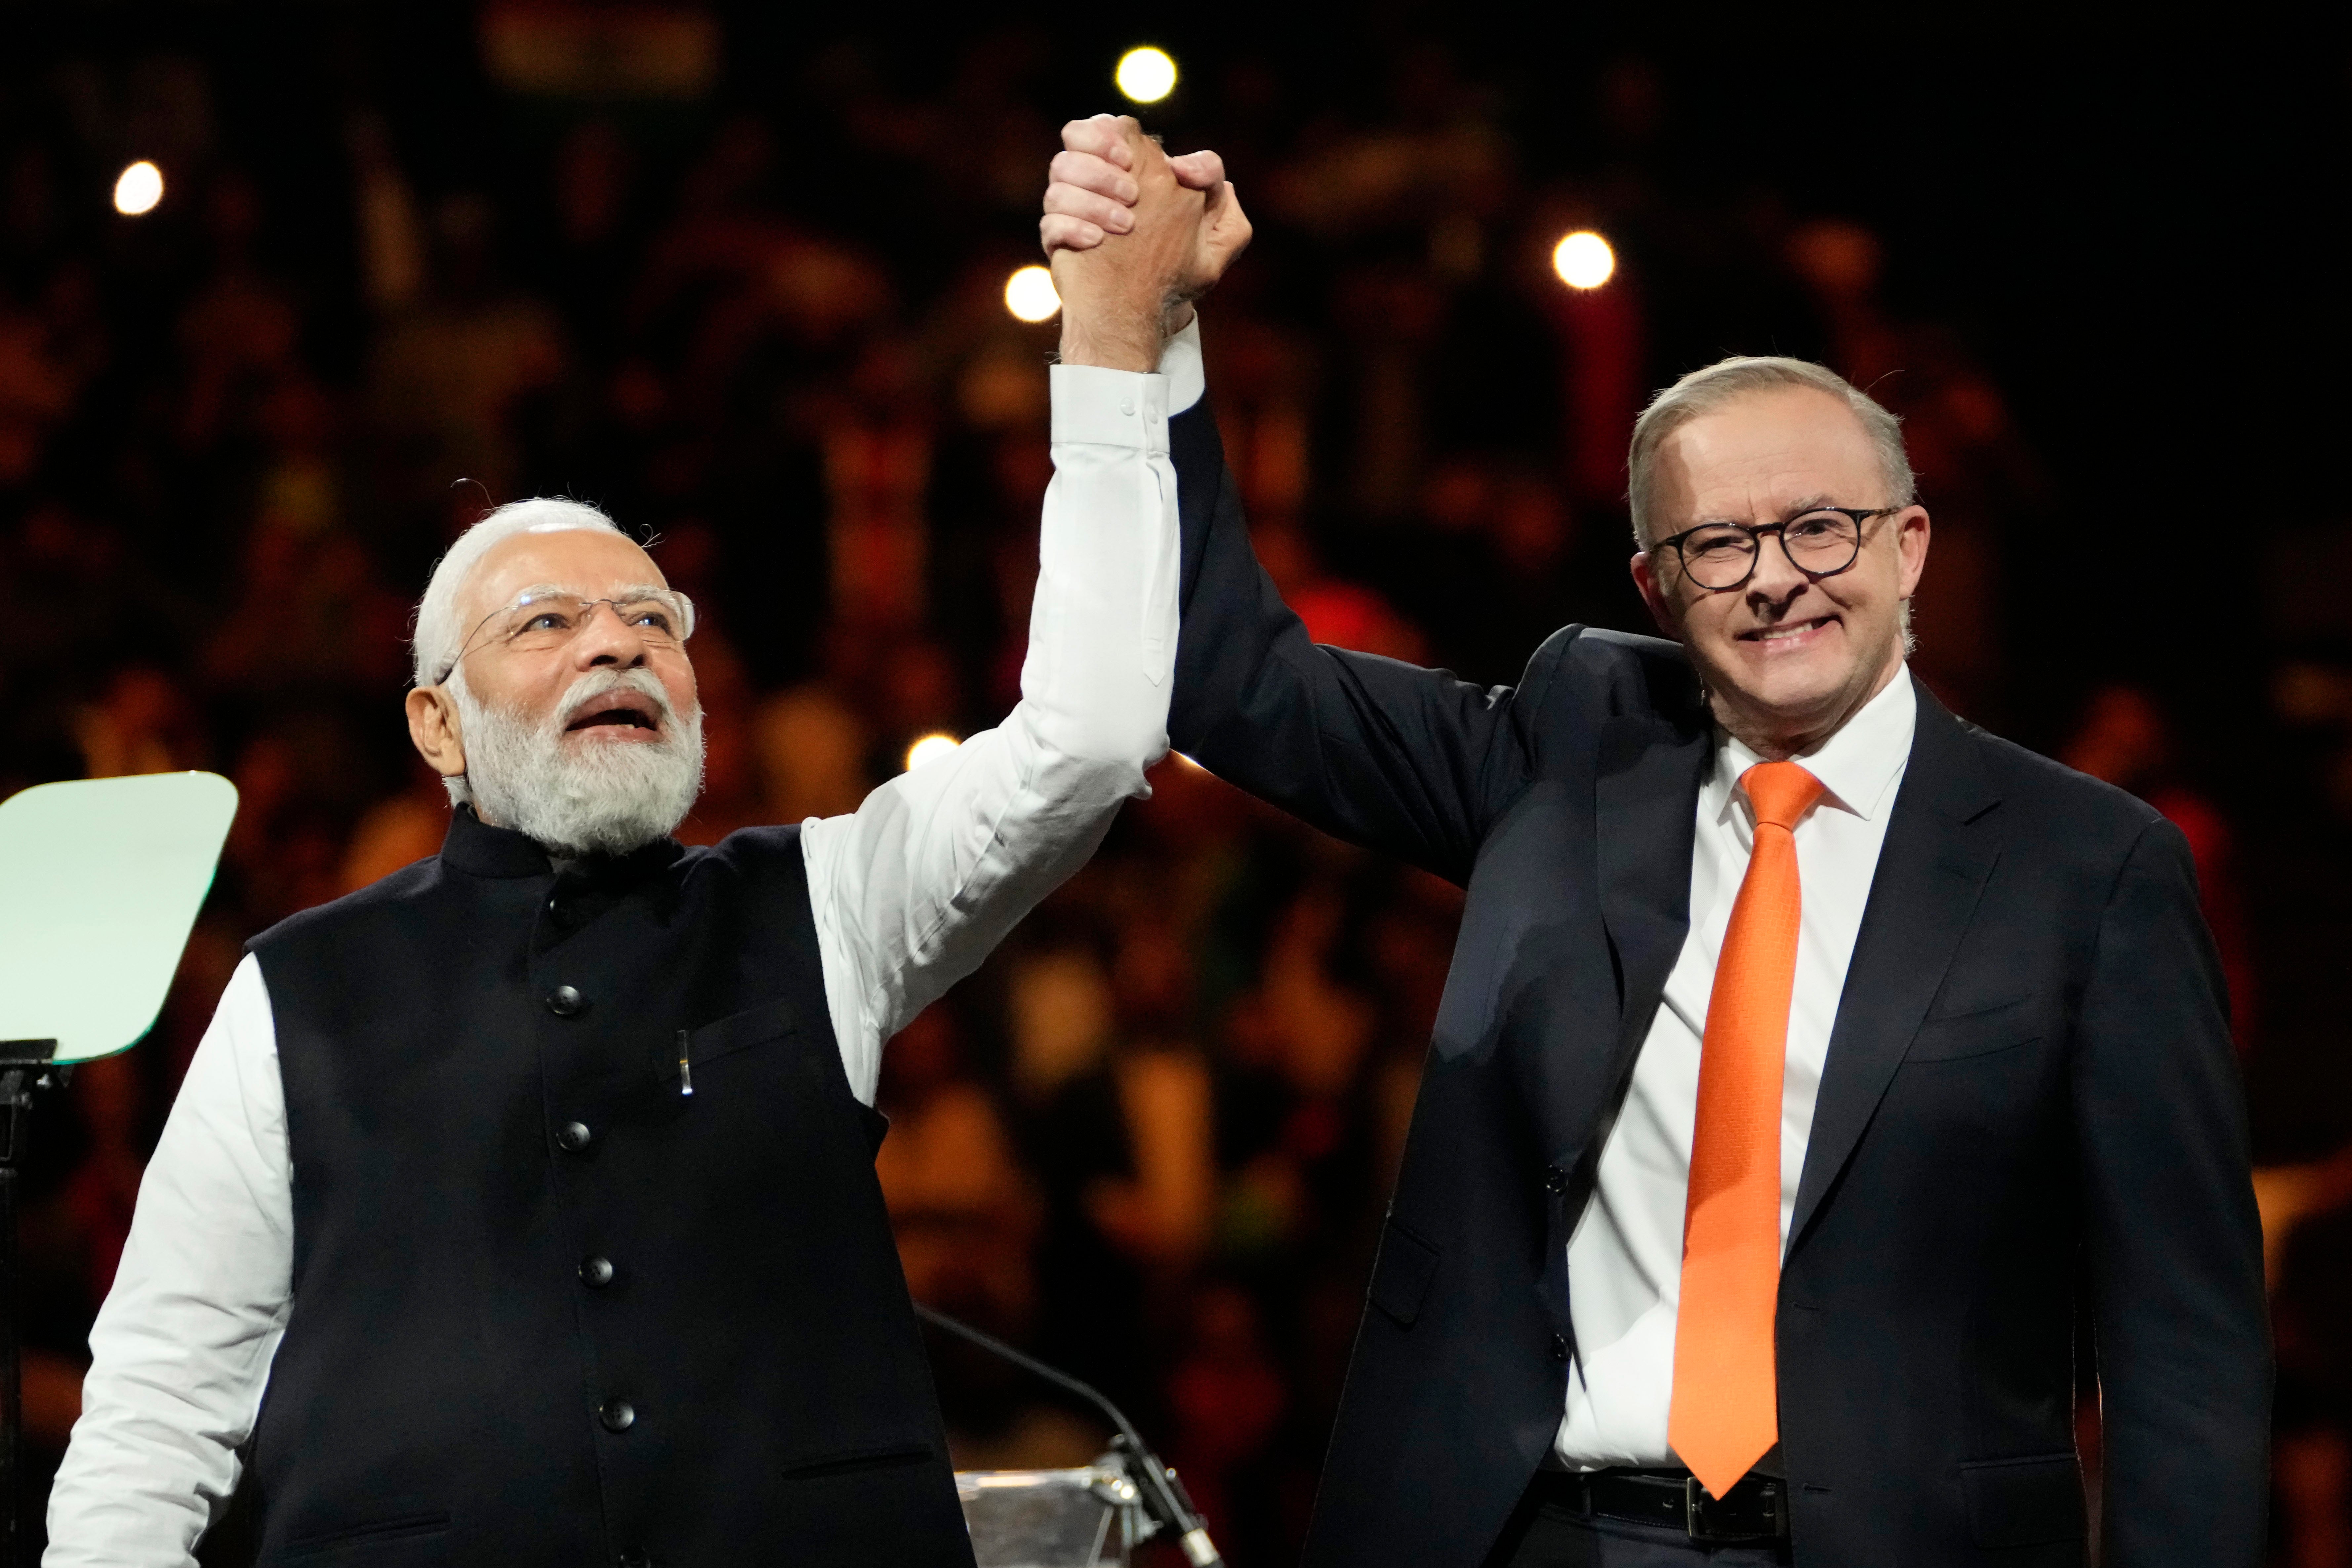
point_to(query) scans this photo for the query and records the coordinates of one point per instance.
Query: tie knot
(1779, 792)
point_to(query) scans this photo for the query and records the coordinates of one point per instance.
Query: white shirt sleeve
(181, 1348)
(913, 888)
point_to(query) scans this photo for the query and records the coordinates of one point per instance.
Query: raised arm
(911, 891)
(1409, 759)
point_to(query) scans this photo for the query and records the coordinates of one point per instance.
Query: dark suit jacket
(2030, 1083)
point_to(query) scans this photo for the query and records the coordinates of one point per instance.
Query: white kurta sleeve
(181, 1348)
(913, 888)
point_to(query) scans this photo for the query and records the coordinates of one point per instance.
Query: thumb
(1198, 170)
(1229, 227)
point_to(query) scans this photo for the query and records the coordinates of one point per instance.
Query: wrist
(1131, 345)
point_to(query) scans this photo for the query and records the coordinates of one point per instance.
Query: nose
(1777, 577)
(607, 641)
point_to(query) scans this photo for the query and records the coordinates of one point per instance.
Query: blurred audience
(1152, 1140)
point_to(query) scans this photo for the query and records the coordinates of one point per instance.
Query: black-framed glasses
(1819, 542)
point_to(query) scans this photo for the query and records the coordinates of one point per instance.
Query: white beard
(584, 798)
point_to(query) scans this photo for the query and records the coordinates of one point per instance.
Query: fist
(1133, 236)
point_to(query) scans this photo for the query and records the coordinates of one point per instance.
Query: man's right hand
(1134, 237)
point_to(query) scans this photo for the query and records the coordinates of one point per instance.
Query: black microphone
(1163, 1495)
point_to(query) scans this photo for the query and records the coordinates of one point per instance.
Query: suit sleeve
(1371, 750)
(2174, 1244)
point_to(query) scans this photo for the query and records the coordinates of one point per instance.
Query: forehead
(1761, 455)
(589, 559)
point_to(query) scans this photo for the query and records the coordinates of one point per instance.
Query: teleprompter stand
(101, 880)
(26, 1070)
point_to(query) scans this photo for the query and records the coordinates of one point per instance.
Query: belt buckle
(1696, 1501)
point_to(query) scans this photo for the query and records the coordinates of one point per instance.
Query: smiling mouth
(1788, 631)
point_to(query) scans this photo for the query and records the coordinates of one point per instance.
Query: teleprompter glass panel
(100, 884)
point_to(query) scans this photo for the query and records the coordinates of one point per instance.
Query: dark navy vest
(548, 1308)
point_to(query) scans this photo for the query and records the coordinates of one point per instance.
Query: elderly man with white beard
(520, 1209)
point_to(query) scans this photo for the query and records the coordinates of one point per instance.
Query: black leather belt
(1756, 1510)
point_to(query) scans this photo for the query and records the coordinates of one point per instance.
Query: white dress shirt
(1625, 1256)
(910, 892)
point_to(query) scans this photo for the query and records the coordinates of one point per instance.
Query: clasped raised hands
(1133, 237)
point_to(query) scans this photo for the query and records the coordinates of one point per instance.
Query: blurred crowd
(1152, 1140)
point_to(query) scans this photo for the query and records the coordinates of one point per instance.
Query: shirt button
(1558, 1348)
(574, 1136)
(1127, 406)
(616, 1415)
(565, 1001)
(1555, 1180)
(596, 1272)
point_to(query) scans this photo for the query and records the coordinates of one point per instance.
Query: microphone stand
(1164, 1498)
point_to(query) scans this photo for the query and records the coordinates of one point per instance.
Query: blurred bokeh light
(1029, 295)
(138, 188)
(930, 747)
(1583, 259)
(1146, 75)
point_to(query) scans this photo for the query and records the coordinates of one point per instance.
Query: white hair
(440, 637)
(1708, 390)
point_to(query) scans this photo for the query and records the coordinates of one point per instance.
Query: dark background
(749, 304)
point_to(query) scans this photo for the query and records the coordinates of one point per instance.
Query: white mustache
(599, 683)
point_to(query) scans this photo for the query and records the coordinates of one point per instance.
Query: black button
(596, 1272)
(560, 913)
(1558, 1348)
(565, 1001)
(636, 1560)
(574, 1136)
(617, 1414)
(1555, 1180)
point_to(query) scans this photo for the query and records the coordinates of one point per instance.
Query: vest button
(574, 1136)
(565, 1001)
(616, 1415)
(1555, 1181)
(1558, 1348)
(636, 1560)
(596, 1272)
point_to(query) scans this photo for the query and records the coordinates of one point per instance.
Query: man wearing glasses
(519, 1210)
(1805, 1048)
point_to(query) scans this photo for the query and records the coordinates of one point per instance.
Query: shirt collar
(1859, 762)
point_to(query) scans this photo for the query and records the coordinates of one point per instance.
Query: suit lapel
(1931, 870)
(1646, 811)
(1645, 816)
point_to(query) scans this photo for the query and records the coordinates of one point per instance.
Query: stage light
(1146, 75)
(1029, 295)
(138, 188)
(1583, 259)
(930, 747)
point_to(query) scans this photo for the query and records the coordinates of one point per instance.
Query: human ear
(432, 726)
(1911, 544)
(1654, 594)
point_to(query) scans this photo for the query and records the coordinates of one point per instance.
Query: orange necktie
(1725, 1415)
